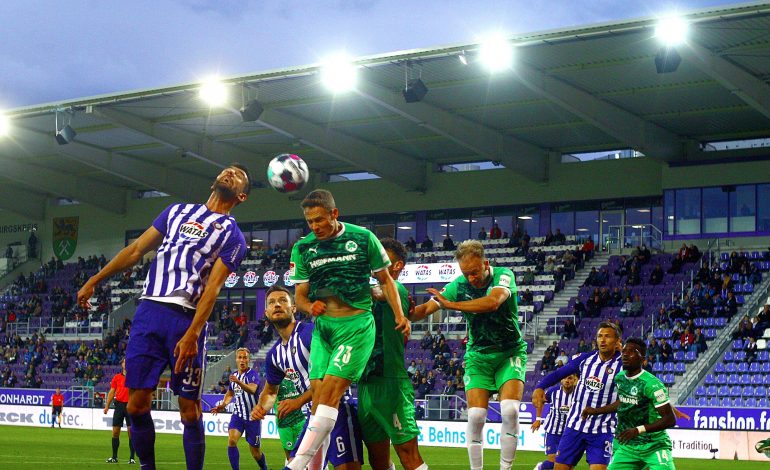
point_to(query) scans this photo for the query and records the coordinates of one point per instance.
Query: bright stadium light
(496, 53)
(338, 73)
(5, 125)
(671, 31)
(213, 92)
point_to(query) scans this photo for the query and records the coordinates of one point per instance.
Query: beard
(224, 191)
(282, 322)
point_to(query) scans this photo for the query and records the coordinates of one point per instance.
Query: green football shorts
(290, 434)
(490, 371)
(386, 410)
(341, 346)
(634, 458)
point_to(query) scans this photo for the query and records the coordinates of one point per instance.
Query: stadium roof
(585, 89)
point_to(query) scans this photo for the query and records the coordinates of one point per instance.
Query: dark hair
(395, 247)
(639, 342)
(277, 288)
(614, 326)
(319, 198)
(243, 168)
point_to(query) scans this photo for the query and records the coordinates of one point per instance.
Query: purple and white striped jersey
(194, 237)
(595, 388)
(244, 401)
(561, 403)
(292, 360)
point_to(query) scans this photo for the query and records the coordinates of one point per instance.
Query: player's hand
(443, 301)
(84, 295)
(628, 434)
(318, 308)
(538, 398)
(258, 413)
(234, 379)
(217, 409)
(404, 326)
(680, 415)
(535, 425)
(105, 410)
(587, 411)
(412, 305)
(185, 352)
(287, 406)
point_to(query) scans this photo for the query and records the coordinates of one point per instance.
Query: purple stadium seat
(743, 367)
(690, 356)
(702, 401)
(736, 391)
(719, 368)
(721, 379)
(760, 391)
(710, 379)
(700, 391)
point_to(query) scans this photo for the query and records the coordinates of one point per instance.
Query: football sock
(318, 430)
(476, 419)
(546, 465)
(143, 437)
(509, 432)
(234, 456)
(318, 460)
(262, 462)
(194, 444)
(115, 445)
(424, 466)
(392, 467)
(131, 448)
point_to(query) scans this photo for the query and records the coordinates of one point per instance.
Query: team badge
(634, 390)
(217, 226)
(351, 246)
(609, 371)
(293, 350)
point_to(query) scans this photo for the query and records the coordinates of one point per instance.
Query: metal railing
(621, 236)
(543, 323)
(444, 407)
(52, 328)
(81, 396)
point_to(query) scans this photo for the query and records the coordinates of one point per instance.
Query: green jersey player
(644, 413)
(331, 268)
(385, 392)
(290, 425)
(496, 358)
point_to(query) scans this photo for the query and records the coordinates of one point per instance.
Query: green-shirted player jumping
(496, 357)
(331, 268)
(644, 414)
(385, 391)
(290, 426)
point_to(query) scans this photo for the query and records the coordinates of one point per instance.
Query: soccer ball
(287, 173)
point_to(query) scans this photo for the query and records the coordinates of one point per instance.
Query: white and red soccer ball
(287, 173)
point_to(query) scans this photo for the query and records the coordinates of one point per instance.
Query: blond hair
(469, 248)
(243, 349)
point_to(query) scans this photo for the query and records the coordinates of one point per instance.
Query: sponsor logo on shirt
(287, 279)
(351, 246)
(564, 409)
(292, 269)
(660, 395)
(423, 272)
(270, 278)
(231, 280)
(192, 231)
(446, 272)
(594, 383)
(505, 281)
(250, 279)
(334, 259)
(629, 400)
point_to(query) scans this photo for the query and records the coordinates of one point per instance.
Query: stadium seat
(680, 368)
(657, 367)
(690, 356)
(721, 379)
(702, 401)
(736, 391)
(754, 368)
(740, 356)
(722, 391)
(747, 391)
(719, 368)
(737, 345)
(743, 367)
(750, 402)
(760, 391)
(731, 368)
(756, 379)
(700, 391)
(713, 401)
(725, 402)
(668, 367)
(728, 357)
(745, 379)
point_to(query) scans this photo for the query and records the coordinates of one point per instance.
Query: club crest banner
(65, 236)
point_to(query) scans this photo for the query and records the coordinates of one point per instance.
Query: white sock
(318, 430)
(476, 419)
(509, 432)
(424, 466)
(392, 466)
(318, 460)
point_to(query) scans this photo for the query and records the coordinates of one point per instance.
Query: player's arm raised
(570, 368)
(266, 401)
(187, 348)
(489, 303)
(390, 291)
(667, 420)
(225, 401)
(127, 257)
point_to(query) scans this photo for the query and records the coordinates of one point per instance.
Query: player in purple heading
(243, 387)
(596, 371)
(198, 246)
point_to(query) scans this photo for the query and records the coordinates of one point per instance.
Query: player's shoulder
(353, 229)
(621, 375)
(498, 271)
(305, 242)
(650, 379)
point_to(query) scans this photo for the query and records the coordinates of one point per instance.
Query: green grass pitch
(35, 448)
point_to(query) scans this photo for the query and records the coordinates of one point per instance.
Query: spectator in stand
(654, 351)
(751, 350)
(693, 253)
(603, 277)
(625, 310)
(570, 330)
(559, 238)
(427, 244)
(745, 329)
(442, 348)
(495, 233)
(548, 238)
(699, 343)
(633, 277)
(583, 347)
(440, 363)
(637, 307)
(421, 366)
(411, 244)
(412, 368)
(656, 276)
(482, 234)
(676, 265)
(448, 244)
(427, 340)
(527, 298)
(528, 278)
(587, 250)
(458, 379)
(548, 364)
(592, 280)
(666, 351)
(32, 244)
(523, 249)
(687, 340)
(450, 388)
(594, 307)
(549, 265)
(431, 378)
(562, 357)
(731, 304)
(579, 309)
(423, 388)
(616, 298)
(763, 321)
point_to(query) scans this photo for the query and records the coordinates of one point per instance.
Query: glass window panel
(657, 217)
(529, 221)
(437, 230)
(714, 210)
(278, 237)
(564, 221)
(505, 218)
(587, 225)
(477, 223)
(637, 220)
(404, 230)
(258, 242)
(763, 211)
(743, 209)
(459, 230)
(687, 211)
(295, 234)
(670, 213)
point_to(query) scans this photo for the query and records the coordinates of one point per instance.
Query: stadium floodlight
(64, 134)
(213, 92)
(671, 31)
(339, 73)
(496, 53)
(5, 125)
(251, 111)
(667, 60)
